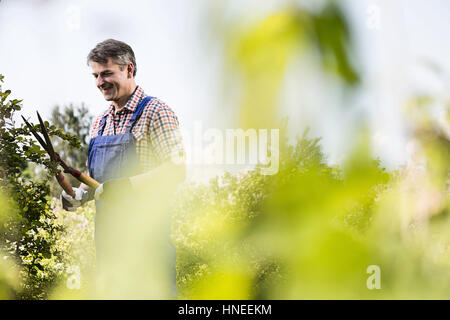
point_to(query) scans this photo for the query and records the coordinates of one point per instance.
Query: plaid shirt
(157, 131)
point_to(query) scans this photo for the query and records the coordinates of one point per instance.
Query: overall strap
(102, 126)
(137, 114)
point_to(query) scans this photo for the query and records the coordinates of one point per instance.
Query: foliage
(309, 231)
(28, 232)
(222, 230)
(261, 54)
(312, 231)
(76, 121)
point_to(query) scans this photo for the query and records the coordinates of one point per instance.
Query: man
(136, 153)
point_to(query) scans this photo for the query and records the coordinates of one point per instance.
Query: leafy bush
(30, 230)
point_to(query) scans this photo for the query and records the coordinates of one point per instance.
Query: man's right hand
(109, 190)
(70, 203)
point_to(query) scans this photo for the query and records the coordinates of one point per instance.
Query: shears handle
(65, 184)
(82, 177)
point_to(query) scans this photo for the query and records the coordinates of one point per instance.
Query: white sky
(44, 44)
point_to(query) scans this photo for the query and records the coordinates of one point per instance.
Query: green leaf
(6, 94)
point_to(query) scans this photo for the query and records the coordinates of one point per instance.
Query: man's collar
(132, 103)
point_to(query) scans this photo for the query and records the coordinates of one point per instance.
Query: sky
(402, 44)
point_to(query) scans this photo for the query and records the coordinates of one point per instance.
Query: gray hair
(119, 51)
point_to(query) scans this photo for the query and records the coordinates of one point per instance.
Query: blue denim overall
(115, 157)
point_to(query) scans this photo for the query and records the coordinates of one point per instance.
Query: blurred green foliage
(314, 231)
(261, 54)
(74, 120)
(260, 237)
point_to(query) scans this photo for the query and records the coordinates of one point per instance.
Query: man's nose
(100, 81)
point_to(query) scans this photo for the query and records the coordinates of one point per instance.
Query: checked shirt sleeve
(165, 137)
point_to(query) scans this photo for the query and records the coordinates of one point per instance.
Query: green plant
(29, 231)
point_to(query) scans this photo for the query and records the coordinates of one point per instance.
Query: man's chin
(108, 97)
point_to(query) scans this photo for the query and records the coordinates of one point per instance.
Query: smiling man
(136, 153)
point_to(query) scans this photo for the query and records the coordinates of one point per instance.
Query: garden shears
(55, 158)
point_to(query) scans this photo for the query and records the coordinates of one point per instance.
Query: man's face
(113, 82)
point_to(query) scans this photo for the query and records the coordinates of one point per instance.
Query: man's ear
(130, 69)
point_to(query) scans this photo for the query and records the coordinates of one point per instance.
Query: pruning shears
(55, 158)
